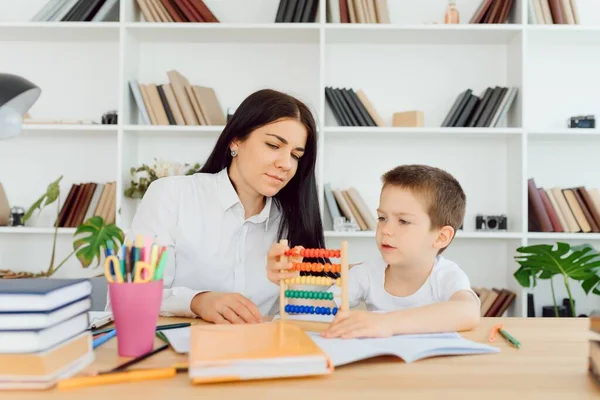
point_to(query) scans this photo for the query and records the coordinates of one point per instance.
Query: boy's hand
(355, 324)
(277, 270)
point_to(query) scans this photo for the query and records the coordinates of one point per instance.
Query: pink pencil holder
(136, 307)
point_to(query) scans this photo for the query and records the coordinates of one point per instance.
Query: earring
(233, 153)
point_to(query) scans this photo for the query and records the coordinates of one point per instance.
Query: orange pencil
(117, 377)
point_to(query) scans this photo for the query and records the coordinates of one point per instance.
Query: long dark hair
(298, 200)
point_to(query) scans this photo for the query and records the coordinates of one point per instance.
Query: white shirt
(366, 283)
(211, 246)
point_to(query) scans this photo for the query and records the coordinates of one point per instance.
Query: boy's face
(403, 236)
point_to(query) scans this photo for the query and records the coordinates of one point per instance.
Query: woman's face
(268, 159)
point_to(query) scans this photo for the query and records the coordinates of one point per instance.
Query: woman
(222, 225)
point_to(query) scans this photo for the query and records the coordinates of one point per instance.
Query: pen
(117, 377)
(135, 360)
(158, 272)
(103, 339)
(158, 328)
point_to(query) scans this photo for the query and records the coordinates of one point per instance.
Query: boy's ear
(444, 237)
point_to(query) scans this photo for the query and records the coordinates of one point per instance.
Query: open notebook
(239, 343)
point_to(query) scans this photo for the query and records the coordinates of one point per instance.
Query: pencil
(511, 339)
(116, 377)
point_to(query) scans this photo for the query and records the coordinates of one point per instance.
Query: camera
(490, 222)
(582, 121)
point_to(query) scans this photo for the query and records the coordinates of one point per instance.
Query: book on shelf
(349, 203)
(175, 11)
(352, 108)
(358, 11)
(494, 301)
(543, 12)
(177, 102)
(493, 12)
(297, 11)
(563, 209)
(489, 109)
(86, 200)
(78, 11)
(44, 334)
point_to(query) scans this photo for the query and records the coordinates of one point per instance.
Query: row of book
(494, 302)
(78, 11)
(175, 11)
(574, 209)
(44, 336)
(297, 11)
(492, 12)
(487, 110)
(177, 102)
(348, 203)
(553, 12)
(358, 11)
(352, 108)
(86, 200)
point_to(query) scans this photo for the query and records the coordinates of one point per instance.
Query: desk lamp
(17, 95)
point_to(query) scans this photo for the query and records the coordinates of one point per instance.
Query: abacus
(310, 317)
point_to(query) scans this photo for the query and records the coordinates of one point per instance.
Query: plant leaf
(94, 245)
(580, 263)
(52, 192)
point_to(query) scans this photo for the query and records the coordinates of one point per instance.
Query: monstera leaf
(94, 244)
(52, 192)
(544, 261)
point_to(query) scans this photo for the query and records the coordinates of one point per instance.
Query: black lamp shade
(17, 93)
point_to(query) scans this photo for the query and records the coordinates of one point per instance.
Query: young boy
(412, 288)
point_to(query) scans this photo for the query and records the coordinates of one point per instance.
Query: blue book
(41, 294)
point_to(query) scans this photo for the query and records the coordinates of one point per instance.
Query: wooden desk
(551, 363)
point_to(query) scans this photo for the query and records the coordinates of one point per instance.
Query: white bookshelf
(416, 62)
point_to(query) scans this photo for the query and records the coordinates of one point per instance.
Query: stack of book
(177, 102)
(575, 209)
(594, 355)
(297, 11)
(553, 12)
(78, 10)
(494, 302)
(349, 203)
(44, 334)
(492, 12)
(175, 11)
(488, 110)
(352, 108)
(358, 11)
(86, 200)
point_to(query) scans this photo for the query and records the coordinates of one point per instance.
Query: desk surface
(551, 363)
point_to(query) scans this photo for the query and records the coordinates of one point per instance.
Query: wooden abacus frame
(317, 326)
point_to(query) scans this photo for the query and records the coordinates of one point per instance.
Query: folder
(220, 353)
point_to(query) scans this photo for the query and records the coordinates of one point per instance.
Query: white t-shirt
(366, 283)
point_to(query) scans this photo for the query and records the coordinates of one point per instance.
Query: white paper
(408, 347)
(179, 339)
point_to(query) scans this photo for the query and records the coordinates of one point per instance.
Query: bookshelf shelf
(389, 132)
(69, 130)
(412, 63)
(215, 33)
(563, 236)
(59, 31)
(421, 34)
(23, 230)
(170, 131)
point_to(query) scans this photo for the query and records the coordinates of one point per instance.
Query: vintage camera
(490, 222)
(582, 121)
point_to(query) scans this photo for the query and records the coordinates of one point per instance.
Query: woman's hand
(225, 308)
(277, 269)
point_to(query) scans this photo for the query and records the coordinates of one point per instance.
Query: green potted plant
(90, 238)
(144, 175)
(575, 264)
